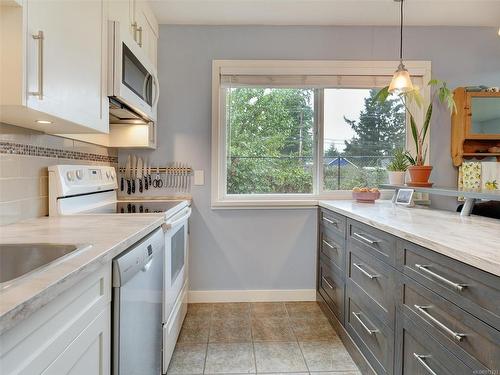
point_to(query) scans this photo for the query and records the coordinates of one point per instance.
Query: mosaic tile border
(48, 152)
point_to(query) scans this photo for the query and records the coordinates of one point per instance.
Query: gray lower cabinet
(476, 343)
(331, 288)
(373, 337)
(409, 310)
(423, 355)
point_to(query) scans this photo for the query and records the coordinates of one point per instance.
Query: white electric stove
(90, 189)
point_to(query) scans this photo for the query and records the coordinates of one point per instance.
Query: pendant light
(401, 81)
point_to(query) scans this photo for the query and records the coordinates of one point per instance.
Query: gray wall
(275, 249)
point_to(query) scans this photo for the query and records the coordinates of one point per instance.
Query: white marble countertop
(109, 235)
(473, 240)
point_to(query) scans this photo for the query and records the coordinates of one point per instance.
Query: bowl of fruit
(365, 195)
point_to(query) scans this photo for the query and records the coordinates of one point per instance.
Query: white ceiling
(327, 12)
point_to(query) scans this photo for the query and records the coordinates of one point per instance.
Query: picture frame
(405, 197)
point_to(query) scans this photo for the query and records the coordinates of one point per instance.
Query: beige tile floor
(271, 338)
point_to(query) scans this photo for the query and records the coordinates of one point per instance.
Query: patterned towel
(490, 175)
(469, 176)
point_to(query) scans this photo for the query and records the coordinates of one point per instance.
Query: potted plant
(419, 172)
(396, 169)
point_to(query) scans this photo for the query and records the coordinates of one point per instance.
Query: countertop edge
(26, 308)
(456, 254)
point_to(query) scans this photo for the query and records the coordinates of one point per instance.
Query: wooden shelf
(463, 141)
(481, 154)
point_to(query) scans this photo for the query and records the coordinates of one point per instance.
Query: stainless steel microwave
(132, 79)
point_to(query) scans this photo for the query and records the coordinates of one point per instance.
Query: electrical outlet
(199, 177)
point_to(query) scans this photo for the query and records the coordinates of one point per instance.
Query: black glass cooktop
(136, 207)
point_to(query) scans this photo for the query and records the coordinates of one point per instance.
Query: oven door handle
(171, 224)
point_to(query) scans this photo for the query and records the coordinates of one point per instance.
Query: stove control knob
(79, 174)
(108, 175)
(70, 175)
(113, 174)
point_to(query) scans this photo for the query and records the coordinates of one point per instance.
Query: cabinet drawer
(374, 339)
(331, 287)
(378, 243)
(475, 291)
(463, 334)
(377, 280)
(333, 221)
(422, 355)
(332, 246)
(50, 331)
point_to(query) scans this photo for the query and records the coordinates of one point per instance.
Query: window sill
(287, 203)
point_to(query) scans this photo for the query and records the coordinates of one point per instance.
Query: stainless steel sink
(17, 260)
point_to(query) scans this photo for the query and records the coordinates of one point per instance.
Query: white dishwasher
(137, 307)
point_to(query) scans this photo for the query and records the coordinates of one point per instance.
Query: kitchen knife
(122, 179)
(145, 174)
(134, 172)
(168, 176)
(139, 174)
(174, 166)
(184, 182)
(150, 182)
(179, 173)
(127, 176)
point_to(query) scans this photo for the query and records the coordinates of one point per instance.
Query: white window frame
(219, 198)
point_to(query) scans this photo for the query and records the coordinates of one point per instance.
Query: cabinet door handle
(330, 221)
(365, 239)
(455, 335)
(364, 272)
(139, 30)
(39, 37)
(365, 327)
(421, 359)
(328, 244)
(456, 286)
(327, 283)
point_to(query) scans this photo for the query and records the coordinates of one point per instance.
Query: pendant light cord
(401, 34)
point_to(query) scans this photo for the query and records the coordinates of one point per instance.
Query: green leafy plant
(399, 163)
(419, 133)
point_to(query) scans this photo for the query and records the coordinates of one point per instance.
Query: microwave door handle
(156, 86)
(145, 87)
(167, 226)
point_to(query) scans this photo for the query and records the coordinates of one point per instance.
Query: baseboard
(251, 295)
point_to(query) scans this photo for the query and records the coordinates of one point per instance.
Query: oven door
(133, 79)
(176, 256)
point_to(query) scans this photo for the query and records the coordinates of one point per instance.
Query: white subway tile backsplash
(24, 158)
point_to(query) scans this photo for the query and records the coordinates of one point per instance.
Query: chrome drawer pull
(420, 358)
(456, 286)
(369, 275)
(329, 245)
(327, 283)
(330, 221)
(366, 239)
(423, 309)
(368, 330)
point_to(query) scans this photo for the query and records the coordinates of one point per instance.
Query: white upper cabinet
(146, 29)
(57, 72)
(137, 18)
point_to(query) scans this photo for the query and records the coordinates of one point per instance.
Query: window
(359, 137)
(270, 142)
(291, 132)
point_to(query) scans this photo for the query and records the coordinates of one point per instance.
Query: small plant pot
(396, 177)
(419, 175)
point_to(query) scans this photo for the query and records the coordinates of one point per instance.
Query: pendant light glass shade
(401, 81)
